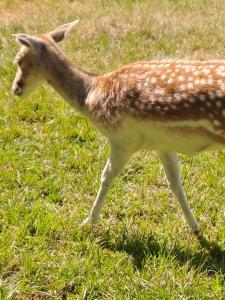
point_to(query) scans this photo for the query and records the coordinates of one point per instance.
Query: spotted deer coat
(182, 102)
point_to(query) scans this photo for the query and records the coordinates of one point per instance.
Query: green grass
(51, 160)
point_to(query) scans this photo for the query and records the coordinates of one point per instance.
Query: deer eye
(19, 62)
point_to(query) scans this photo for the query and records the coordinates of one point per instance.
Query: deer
(172, 107)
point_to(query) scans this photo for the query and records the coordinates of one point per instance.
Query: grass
(51, 160)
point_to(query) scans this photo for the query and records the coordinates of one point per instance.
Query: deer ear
(61, 32)
(28, 41)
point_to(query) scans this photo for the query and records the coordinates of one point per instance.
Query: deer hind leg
(114, 165)
(171, 166)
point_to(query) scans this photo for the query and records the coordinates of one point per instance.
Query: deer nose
(17, 90)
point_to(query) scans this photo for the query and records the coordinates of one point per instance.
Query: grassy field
(51, 160)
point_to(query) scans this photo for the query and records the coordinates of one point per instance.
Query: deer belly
(182, 137)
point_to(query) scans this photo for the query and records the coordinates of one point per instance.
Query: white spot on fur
(209, 81)
(160, 91)
(139, 86)
(216, 122)
(181, 78)
(184, 95)
(202, 97)
(125, 76)
(219, 93)
(206, 71)
(182, 87)
(218, 103)
(187, 105)
(203, 81)
(142, 76)
(191, 99)
(212, 96)
(141, 105)
(197, 81)
(196, 73)
(220, 68)
(190, 86)
(153, 80)
(177, 96)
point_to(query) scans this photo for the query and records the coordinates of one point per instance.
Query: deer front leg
(171, 166)
(115, 163)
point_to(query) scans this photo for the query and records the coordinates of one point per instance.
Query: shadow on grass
(209, 258)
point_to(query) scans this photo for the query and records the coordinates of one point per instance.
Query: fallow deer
(170, 106)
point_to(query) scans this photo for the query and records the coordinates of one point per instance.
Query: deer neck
(72, 83)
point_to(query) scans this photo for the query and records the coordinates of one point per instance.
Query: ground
(51, 160)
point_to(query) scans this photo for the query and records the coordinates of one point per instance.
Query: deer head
(32, 67)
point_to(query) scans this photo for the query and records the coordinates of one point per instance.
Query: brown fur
(184, 94)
